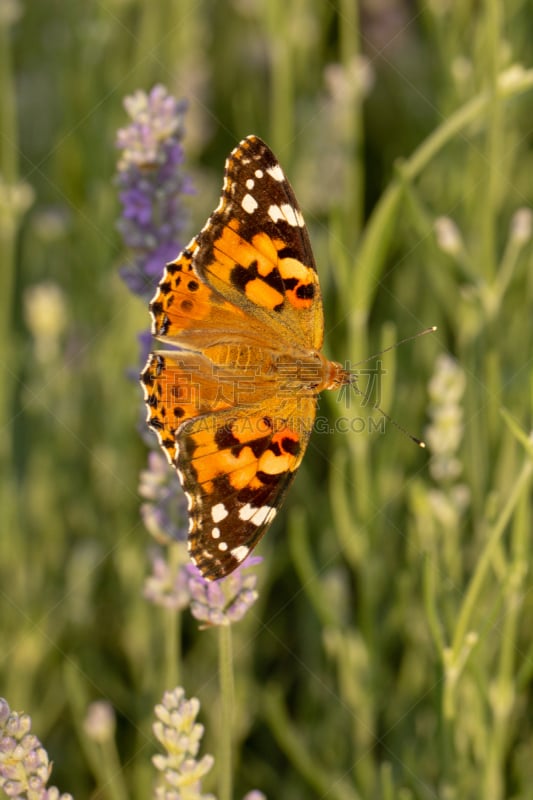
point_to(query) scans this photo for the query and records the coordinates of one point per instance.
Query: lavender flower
(165, 511)
(226, 601)
(168, 585)
(444, 436)
(100, 721)
(151, 182)
(24, 764)
(179, 733)
(445, 432)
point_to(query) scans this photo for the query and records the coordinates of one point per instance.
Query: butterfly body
(233, 403)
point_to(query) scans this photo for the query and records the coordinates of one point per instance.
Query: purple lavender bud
(165, 508)
(225, 601)
(151, 186)
(168, 585)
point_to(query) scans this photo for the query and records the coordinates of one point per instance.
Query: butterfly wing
(256, 250)
(234, 461)
(250, 269)
(247, 284)
(236, 467)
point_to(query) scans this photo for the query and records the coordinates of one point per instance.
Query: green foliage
(390, 654)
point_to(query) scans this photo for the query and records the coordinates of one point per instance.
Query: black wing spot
(146, 377)
(268, 479)
(290, 284)
(258, 446)
(274, 280)
(240, 275)
(306, 291)
(225, 440)
(289, 252)
(276, 449)
(291, 446)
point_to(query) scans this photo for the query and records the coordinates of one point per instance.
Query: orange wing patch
(179, 387)
(184, 302)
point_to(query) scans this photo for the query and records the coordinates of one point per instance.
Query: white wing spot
(246, 512)
(276, 172)
(222, 546)
(240, 553)
(258, 515)
(250, 183)
(249, 203)
(219, 512)
(259, 173)
(287, 213)
(215, 533)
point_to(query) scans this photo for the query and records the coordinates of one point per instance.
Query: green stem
(306, 569)
(378, 232)
(352, 135)
(227, 706)
(503, 692)
(8, 233)
(483, 565)
(494, 148)
(282, 88)
(290, 741)
(173, 630)
(111, 772)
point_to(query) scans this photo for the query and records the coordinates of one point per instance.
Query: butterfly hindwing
(235, 467)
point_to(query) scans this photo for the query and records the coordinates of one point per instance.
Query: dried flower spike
(179, 733)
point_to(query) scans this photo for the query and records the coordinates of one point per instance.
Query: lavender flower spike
(24, 764)
(164, 510)
(151, 184)
(225, 601)
(179, 733)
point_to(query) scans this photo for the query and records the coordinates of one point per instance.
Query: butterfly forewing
(257, 249)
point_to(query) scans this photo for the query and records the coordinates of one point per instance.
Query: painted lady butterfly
(234, 403)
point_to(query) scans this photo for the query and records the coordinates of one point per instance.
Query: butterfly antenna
(384, 414)
(397, 344)
(353, 379)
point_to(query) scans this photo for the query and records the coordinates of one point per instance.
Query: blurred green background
(391, 652)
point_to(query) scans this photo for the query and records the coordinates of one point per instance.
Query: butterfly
(234, 402)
